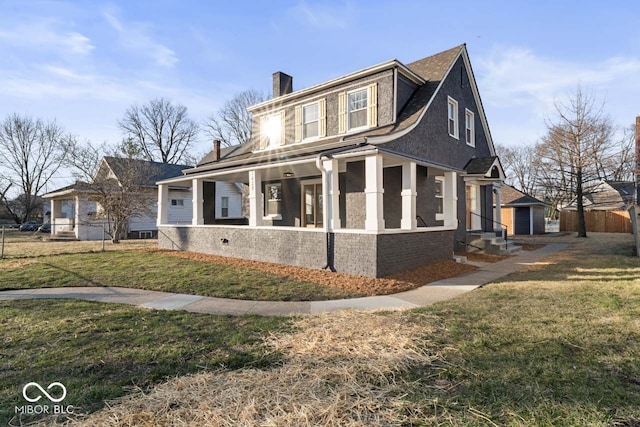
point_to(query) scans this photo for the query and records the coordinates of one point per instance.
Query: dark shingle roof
(227, 153)
(479, 165)
(151, 172)
(512, 196)
(432, 69)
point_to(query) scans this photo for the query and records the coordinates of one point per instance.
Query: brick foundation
(365, 254)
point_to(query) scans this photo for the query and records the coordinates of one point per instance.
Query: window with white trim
(271, 131)
(469, 126)
(177, 203)
(224, 207)
(357, 103)
(273, 202)
(439, 192)
(452, 117)
(310, 121)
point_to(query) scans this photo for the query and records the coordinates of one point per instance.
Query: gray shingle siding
(430, 139)
(385, 105)
(404, 92)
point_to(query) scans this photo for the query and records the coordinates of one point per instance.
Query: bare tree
(84, 158)
(620, 165)
(521, 168)
(579, 135)
(126, 195)
(31, 151)
(231, 124)
(162, 131)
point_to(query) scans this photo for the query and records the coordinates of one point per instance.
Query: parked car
(45, 228)
(30, 226)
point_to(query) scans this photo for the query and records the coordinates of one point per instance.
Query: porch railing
(504, 227)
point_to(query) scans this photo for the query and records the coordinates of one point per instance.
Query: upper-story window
(357, 104)
(469, 126)
(310, 121)
(358, 109)
(271, 130)
(452, 113)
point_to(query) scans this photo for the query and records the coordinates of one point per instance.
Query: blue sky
(84, 62)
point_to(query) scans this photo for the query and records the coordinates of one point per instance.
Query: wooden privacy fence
(597, 221)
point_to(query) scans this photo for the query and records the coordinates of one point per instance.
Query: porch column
(255, 198)
(333, 191)
(53, 216)
(163, 204)
(498, 215)
(374, 193)
(409, 194)
(450, 202)
(198, 201)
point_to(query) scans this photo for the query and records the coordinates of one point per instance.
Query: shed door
(523, 221)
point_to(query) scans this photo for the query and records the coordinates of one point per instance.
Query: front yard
(556, 343)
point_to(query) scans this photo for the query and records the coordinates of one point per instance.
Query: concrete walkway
(425, 295)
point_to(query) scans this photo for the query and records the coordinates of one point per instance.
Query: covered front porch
(362, 211)
(73, 215)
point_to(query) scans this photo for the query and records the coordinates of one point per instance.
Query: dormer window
(357, 109)
(271, 130)
(310, 121)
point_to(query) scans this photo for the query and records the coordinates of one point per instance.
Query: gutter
(325, 202)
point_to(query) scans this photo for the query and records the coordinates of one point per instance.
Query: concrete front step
(460, 259)
(491, 244)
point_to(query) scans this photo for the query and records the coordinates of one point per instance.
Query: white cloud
(519, 88)
(134, 37)
(44, 34)
(515, 77)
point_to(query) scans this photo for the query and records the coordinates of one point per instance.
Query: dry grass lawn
(555, 344)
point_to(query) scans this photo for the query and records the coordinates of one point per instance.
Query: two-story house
(378, 171)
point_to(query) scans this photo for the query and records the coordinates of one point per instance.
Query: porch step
(460, 259)
(491, 244)
(63, 235)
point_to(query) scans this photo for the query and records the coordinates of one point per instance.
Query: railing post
(2, 251)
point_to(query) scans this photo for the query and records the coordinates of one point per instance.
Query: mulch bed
(365, 285)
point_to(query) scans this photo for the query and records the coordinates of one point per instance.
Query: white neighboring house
(76, 215)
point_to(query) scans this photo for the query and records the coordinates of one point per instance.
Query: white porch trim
(409, 194)
(374, 191)
(198, 201)
(255, 198)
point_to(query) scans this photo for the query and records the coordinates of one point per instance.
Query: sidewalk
(425, 295)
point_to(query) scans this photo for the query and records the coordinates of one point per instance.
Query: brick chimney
(638, 159)
(282, 84)
(216, 150)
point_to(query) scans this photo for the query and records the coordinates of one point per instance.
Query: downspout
(325, 202)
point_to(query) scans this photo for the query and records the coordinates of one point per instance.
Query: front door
(312, 215)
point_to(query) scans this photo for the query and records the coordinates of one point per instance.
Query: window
(145, 235)
(312, 210)
(469, 125)
(273, 205)
(357, 103)
(271, 131)
(177, 203)
(310, 121)
(439, 198)
(224, 207)
(453, 117)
